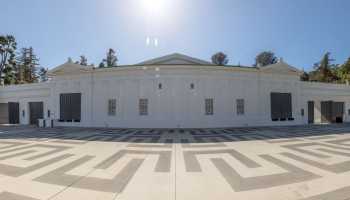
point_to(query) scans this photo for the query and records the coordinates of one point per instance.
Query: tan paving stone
(282, 163)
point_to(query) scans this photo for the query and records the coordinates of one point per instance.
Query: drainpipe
(92, 96)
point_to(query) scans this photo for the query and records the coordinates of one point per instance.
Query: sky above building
(300, 31)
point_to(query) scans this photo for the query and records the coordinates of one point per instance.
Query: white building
(175, 91)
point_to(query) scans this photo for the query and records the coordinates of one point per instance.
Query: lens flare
(155, 7)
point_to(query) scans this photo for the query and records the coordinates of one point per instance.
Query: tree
(33, 63)
(324, 70)
(42, 74)
(8, 47)
(101, 65)
(9, 76)
(111, 59)
(19, 71)
(27, 66)
(344, 71)
(265, 58)
(69, 60)
(219, 59)
(304, 76)
(83, 60)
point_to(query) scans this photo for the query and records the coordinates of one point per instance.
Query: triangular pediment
(281, 68)
(69, 68)
(175, 59)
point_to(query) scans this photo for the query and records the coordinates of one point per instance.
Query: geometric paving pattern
(297, 162)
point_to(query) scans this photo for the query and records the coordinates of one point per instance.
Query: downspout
(260, 110)
(92, 96)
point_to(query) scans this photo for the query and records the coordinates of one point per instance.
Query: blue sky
(300, 31)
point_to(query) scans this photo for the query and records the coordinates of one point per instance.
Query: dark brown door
(337, 112)
(36, 111)
(13, 109)
(281, 106)
(70, 107)
(326, 111)
(311, 112)
(4, 113)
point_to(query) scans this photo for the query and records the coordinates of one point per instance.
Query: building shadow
(73, 135)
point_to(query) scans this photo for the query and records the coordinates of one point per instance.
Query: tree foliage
(83, 60)
(327, 71)
(27, 69)
(42, 74)
(9, 76)
(110, 60)
(8, 47)
(265, 58)
(305, 76)
(324, 71)
(344, 71)
(19, 67)
(219, 59)
(101, 65)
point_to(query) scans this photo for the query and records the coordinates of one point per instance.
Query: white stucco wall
(318, 92)
(176, 105)
(23, 94)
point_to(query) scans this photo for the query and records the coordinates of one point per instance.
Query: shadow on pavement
(163, 136)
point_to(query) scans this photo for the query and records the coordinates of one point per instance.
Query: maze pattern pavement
(248, 161)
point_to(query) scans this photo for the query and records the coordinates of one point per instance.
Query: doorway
(337, 112)
(311, 116)
(4, 113)
(13, 109)
(332, 112)
(326, 111)
(36, 112)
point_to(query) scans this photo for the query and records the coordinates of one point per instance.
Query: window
(240, 106)
(160, 86)
(48, 113)
(302, 112)
(143, 106)
(192, 86)
(70, 107)
(349, 112)
(209, 106)
(112, 107)
(281, 107)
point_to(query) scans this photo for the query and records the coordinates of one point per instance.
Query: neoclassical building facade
(175, 91)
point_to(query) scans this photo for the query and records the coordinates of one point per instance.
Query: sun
(157, 17)
(154, 7)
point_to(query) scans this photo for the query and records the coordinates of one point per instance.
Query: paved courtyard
(282, 163)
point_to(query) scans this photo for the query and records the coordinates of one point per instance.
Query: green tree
(83, 60)
(42, 74)
(343, 71)
(101, 65)
(305, 76)
(27, 66)
(8, 47)
(324, 70)
(111, 59)
(70, 60)
(265, 58)
(219, 59)
(9, 76)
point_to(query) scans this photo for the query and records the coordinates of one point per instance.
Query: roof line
(175, 55)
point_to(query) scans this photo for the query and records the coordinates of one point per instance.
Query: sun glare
(158, 17)
(154, 7)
